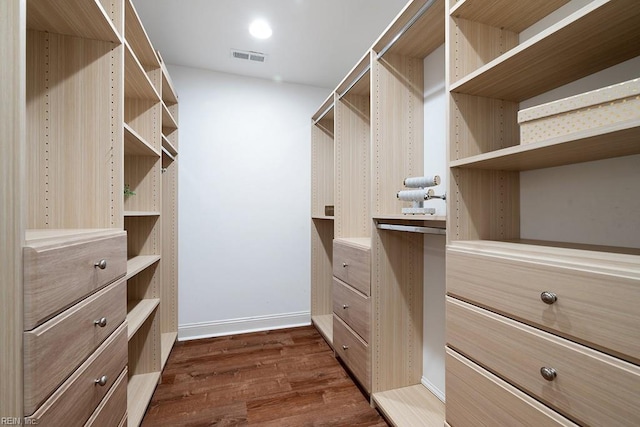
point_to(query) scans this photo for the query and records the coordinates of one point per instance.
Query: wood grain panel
(476, 397)
(353, 351)
(13, 209)
(398, 134)
(145, 117)
(321, 266)
(55, 349)
(143, 235)
(352, 265)
(169, 264)
(74, 138)
(598, 308)
(73, 403)
(353, 308)
(485, 205)
(322, 173)
(352, 166)
(142, 175)
(59, 272)
(517, 353)
(144, 348)
(397, 301)
(145, 284)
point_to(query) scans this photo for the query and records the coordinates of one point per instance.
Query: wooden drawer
(352, 307)
(590, 387)
(352, 265)
(475, 397)
(53, 350)
(597, 299)
(59, 271)
(113, 407)
(76, 399)
(353, 351)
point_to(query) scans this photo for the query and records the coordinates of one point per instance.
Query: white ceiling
(314, 42)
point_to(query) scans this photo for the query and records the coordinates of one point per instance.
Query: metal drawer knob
(102, 381)
(102, 264)
(548, 297)
(345, 306)
(345, 347)
(344, 264)
(548, 374)
(102, 322)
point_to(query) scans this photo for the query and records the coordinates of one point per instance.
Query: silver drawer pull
(345, 347)
(102, 322)
(345, 306)
(548, 374)
(102, 264)
(102, 381)
(548, 297)
(344, 265)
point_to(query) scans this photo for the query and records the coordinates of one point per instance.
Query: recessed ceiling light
(260, 29)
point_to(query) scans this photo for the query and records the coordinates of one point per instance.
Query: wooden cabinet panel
(73, 403)
(353, 351)
(353, 308)
(475, 397)
(113, 407)
(61, 271)
(352, 265)
(587, 386)
(593, 306)
(55, 349)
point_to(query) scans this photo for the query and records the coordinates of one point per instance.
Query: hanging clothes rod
(324, 113)
(355, 81)
(408, 25)
(412, 229)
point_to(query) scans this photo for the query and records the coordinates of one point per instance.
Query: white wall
(435, 163)
(244, 203)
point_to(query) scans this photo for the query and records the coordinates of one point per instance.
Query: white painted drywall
(244, 180)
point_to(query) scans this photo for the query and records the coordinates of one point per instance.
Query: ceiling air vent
(248, 55)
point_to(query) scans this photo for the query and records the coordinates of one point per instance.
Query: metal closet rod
(412, 229)
(355, 81)
(408, 25)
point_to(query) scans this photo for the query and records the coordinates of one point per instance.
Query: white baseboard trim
(218, 328)
(433, 389)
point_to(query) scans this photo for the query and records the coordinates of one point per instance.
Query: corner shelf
(77, 18)
(604, 30)
(138, 312)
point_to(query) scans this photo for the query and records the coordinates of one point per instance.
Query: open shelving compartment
(322, 196)
(397, 276)
(490, 76)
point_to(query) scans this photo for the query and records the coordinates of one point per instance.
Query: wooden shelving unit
(490, 75)
(410, 406)
(139, 392)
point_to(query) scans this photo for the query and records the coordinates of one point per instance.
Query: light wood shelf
(141, 213)
(599, 35)
(78, 18)
(136, 36)
(169, 94)
(593, 144)
(136, 145)
(169, 147)
(137, 82)
(359, 242)
(138, 312)
(411, 406)
(507, 14)
(167, 340)
(322, 217)
(138, 263)
(324, 324)
(424, 34)
(139, 393)
(167, 118)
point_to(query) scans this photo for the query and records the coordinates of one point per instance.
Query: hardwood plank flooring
(286, 377)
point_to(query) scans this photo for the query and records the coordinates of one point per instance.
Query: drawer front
(113, 407)
(352, 307)
(76, 399)
(599, 310)
(353, 351)
(352, 265)
(58, 275)
(56, 348)
(589, 387)
(475, 397)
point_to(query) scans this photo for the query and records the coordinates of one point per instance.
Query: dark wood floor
(281, 378)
